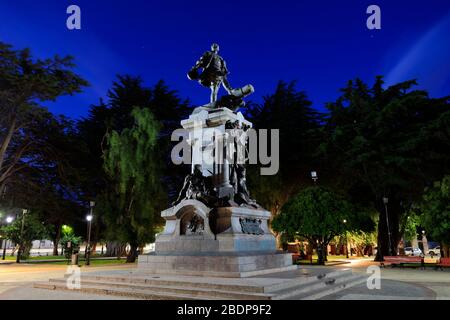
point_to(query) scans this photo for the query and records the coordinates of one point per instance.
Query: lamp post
(8, 221)
(89, 220)
(314, 176)
(19, 252)
(346, 240)
(385, 201)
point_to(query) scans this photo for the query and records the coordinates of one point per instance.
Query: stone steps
(177, 290)
(321, 288)
(136, 294)
(339, 286)
(277, 287)
(304, 282)
(179, 283)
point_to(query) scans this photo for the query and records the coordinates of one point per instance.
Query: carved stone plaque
(251, 226)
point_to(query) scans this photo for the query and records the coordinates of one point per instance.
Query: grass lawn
(94, 262)
(8, 257)
(330, 258)
(97, 263)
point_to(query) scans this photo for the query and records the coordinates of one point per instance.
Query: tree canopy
(131, 161)
(435, 208)
(317, 214)
(386, 143)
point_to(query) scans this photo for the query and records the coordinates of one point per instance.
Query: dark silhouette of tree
(289, 111)
(386, 143)
(24, 83)
(115, 114)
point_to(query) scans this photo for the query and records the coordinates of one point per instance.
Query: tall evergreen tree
(289, 111)
(26, 82)
(386, 143)
(133, 164)
(115, 114)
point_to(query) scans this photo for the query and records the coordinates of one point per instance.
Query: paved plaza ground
(16, 281)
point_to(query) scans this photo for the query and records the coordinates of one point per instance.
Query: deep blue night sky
(321, 44)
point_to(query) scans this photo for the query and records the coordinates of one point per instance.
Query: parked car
(436, 251)
(410, 251)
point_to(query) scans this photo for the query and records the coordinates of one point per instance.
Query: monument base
(215, 242)
(216, 265)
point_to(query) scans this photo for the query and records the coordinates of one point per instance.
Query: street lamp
(385, 201)
(8, 221)
(19, 252)
(89, 218)
(314, 176)
(346, 240)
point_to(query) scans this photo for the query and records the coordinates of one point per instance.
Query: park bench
(443, 262)
(402, 260)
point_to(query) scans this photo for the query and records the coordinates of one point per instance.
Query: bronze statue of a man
(214, 72)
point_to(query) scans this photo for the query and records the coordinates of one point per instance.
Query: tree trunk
(445, 250)
(13, 251)
(132, 254)
(5, 144)
(115, 249)
(310, 248)
(360, 250)
(278, 240)
(320, 248)
(386, 247)
(25, 251)
(56, 240)
(55, 247)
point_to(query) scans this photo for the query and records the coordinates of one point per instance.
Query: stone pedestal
(211, 265)
(227, 229)
(228, 242)
(225, 239)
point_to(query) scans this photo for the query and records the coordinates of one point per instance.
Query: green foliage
(315, 213)
(33, 229)
(389, 142)
(24, 82)
(361, 238)
(289, 111)
(435, 208)
(133, 165)
(35, 145)
(68, 236)
(381, 136)
(411, 224)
